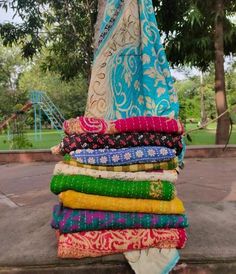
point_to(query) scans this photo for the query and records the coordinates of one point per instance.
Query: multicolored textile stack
(116, 187)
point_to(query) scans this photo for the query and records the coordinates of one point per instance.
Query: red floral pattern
(99, 243)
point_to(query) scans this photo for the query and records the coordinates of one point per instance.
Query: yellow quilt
(77, 200)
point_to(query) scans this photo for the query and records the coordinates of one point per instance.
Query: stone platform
(28, 245)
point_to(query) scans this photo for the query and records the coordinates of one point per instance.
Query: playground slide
(25, 108)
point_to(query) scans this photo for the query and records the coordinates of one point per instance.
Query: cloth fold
(77, 200)
(123, 156)
(158, 190)
(153, 260)
(132, 124)
(73, 169)
(165, 165)
(68, 220)
(105, 242)
(133, 139)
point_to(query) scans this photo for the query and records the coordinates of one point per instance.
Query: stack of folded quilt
(116, 186)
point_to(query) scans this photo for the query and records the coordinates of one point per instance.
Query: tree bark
(223, 123)
(203, 107)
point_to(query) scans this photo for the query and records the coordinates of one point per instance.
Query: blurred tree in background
(11, 66)
(196, 33)
(65, 27)
(199, 33)
(69, 96)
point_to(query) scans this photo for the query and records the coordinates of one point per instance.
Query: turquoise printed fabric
(131, 75)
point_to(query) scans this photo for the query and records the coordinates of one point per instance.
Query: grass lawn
(206, 136)
(52, 137)
(49, 138)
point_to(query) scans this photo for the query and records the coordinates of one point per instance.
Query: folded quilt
(66, 169)
(166, 165)
(159, 190)
(68, 220)
(78, 200)
(105, 242)
(133, 139)
(132, 124)
(123, 156)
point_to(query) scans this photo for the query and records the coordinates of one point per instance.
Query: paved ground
(28, 245)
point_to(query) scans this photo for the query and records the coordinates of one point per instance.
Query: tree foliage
(195, 32)
(69, 96)
(65, 27)
(189, 93)
(198, 33)
(188, 27)
(11, 66)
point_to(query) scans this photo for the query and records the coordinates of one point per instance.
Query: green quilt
(158, 190)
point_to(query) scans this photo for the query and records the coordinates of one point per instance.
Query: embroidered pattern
(78, 200)
(166, 165)
(132, 124)
(161, 190)
(68, 220)
(116, 157)
(73, 169)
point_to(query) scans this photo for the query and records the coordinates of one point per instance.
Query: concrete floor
(207, 187)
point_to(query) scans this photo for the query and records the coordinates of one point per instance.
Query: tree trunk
(203, 107)
(223, 123)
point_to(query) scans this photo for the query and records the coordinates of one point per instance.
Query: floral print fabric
(133, 139)
(123, 156)
(130, 74)
(105, 242)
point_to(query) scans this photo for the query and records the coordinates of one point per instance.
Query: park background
(48, 46)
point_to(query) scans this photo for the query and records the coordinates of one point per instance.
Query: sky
(8, 16)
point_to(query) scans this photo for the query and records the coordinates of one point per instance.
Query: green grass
(206, 136)
(52, 137)
(49, 138)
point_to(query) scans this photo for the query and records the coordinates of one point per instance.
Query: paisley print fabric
(68, 220)
(105, 242)
(159, 190)
(66, 169)
(122, 156)
(166, 165)
(78, 200)
(133, 139)
(130, 74)
(131, 124)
